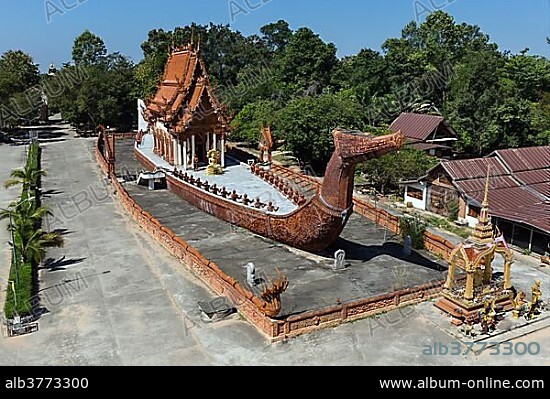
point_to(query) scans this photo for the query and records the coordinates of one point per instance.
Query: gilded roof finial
(485, 203)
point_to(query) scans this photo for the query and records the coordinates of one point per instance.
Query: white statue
(251, 274)
(339, 260)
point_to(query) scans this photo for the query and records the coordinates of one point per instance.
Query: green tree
(34, 244)
(107, 95)
(18, 72)
(425, 48)
(387, 171)
(276, 35)
(26, 177)
(541, 121)
(475, 94)
(225, 52)
(19, 95)
(307, 62)
(247, 123)
(147, 75)
(306, 125)
(88, 49)
(528, 76)
(365, 73)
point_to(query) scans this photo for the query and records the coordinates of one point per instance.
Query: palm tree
(27, 177)
(33, 247)
(25, 215)
(30, 241)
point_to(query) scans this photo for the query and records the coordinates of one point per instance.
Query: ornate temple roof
(185, 94)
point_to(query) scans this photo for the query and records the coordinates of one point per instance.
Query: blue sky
(350, 24)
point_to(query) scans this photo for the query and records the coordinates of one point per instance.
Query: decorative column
(488, 272)
(172, 152)
(450, 275)
(185, 155)
(507, 269)
(214, 140)
(469, 292)
(207, 142)
(176, 157)
(193, 148)
(222, 158)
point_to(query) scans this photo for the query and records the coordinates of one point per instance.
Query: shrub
(415, 228)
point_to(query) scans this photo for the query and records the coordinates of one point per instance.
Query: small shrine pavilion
(184, 116)
(463, 298)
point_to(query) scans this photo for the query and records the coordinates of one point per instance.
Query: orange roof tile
(184, 86)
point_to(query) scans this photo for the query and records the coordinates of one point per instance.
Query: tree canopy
(294, 81)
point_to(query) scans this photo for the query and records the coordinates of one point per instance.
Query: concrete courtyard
(114, 297)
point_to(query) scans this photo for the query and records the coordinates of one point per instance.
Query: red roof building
(184, 116)
(519, 193)
(428, 133)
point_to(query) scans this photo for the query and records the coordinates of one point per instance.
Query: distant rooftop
(519, 183)
(418, 127)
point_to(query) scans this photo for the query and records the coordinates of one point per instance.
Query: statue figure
(518, 302)
(234, 196)
(536, 292)
(214, 167)
(488, 316)
(224, 193)
(270, 304)
(271, 207)
(195, 163)
(534, 306)
(251, 274)
(258, 204)
(246, 201)
(339, 260)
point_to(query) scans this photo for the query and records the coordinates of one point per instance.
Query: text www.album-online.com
(484, 383)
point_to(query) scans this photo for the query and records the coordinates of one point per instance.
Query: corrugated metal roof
(478, 185)
(543, 188)
(519, 183)
(522, 159)
(416, 126)
(474, 168)
(534, 176)
(517, 204)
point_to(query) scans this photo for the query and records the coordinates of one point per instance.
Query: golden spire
(485, 203)
(483, 233)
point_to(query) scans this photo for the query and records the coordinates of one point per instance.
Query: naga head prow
(355, 147)
(351, 148)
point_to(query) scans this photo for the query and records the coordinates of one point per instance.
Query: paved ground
(373, 268)
(132, 304)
